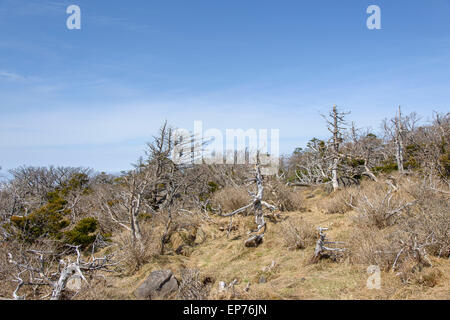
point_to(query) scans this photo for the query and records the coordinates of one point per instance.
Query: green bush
(47, 221)
(387, 167)
(83, 234)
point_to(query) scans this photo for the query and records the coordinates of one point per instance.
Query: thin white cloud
(11, 75)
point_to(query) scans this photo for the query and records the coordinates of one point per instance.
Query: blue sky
(93, 97)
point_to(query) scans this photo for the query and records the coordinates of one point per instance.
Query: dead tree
(399, 130)
(257, 204)
(366, 147)
(321, 246)
(312, 165)
(398, 139)
(39, 272)
(335, 122)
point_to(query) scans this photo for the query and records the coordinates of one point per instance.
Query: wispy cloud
(15, 76)
(11, 75)
(32, 7)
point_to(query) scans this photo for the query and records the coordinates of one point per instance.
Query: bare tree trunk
(369, 173)
(399, 140)
(335, 129)
(134, 216)
(66, 273)
(334, 173)
(166, 234)
(257, 204)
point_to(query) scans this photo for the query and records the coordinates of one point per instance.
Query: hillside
(225, 258)
(359, 216)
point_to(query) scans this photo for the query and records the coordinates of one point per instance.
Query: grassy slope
(225, 259)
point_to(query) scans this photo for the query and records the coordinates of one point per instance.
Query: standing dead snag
(398, 139)
(321, 249)
(400, 130)
(335, 126)
(257, 205)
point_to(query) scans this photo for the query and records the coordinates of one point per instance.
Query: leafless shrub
(430, 223)
(7, 270)
(427, 277)
(404, 247)
(191, 287)
(45, 272)
(133, 255)
(394, 250)
(179, 229)
(333, 205)
(339, 202)
(380, 205)
(297, 235)
(371, 246)
(283, 197)
(231, 198)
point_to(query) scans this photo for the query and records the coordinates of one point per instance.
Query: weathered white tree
(41, 272)
(322, 247)
(367, 147)
(398, 131)
(335, 123)
(398, 139)
(257, 204)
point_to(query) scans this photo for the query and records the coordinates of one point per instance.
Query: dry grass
(225, 259)
(192, 287)
(231, 198)
(297, 234)
(371, 246)
(133, 256)
(381, 206)
(223, 256)
(283, 197)
(276, 193)
(339, 202)
(404, 242)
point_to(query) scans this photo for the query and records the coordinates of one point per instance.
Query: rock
(74, 283)
(159, 285)
(262, 279)
(254, 241)
(201, 237)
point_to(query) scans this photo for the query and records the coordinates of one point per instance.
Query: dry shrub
(340, 202)
(389, 250)
(381, 206)
(7, 270)
(179, 230)
(430, 224)
(192, 287)
(133, 255)
(334, 204)
(283, 197)
(404, 244)
(275, 192)
(428, 277)
(298, 234)
(231, 198)
(371, 246)
(100, 287)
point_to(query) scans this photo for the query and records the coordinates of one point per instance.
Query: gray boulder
(159, 285)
